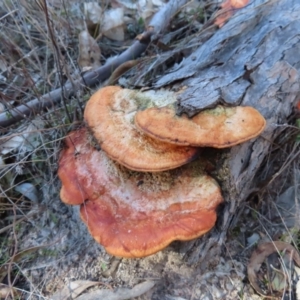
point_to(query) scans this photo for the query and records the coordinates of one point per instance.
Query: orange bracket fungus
(127, 209)
(219, 127)
(110, 115)
(134, 214)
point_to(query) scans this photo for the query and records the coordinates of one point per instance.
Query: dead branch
(157, 25)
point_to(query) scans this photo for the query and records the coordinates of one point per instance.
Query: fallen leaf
(92, 15)
(74, 289)
(120, 293)
(89, 52)
(28, 190)
(110, 21)
(113, 24)
(92, 12)
(12, 143)
(145, 9)
(261, 254)
(251, 240)
(6, 291)
(27, 140)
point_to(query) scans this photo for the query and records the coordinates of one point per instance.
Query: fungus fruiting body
(110, 116)
(127, 209)
(219, 127)
(71, 191)
(134, 214)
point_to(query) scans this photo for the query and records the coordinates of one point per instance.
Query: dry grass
(37, 54)
(272, 212)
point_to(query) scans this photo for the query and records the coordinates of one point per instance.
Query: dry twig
(158, 23)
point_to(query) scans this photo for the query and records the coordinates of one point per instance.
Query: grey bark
(254, 60)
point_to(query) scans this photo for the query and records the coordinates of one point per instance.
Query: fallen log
(253, 60)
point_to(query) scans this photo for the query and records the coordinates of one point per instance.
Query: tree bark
(253, 60)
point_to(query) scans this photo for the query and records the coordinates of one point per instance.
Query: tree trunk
(253, 60)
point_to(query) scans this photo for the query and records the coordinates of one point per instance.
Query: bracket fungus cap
(134, 214)
(110, 116)
(71, 191)
(219, 127)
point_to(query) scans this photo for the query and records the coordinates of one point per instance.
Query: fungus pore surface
(135, 214)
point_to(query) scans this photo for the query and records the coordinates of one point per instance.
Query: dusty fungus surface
(110, 116)
(134, 214)
(219, 127)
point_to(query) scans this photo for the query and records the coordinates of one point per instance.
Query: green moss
(220, 110)
(143, 101)
(149, 99)
(104, 267)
